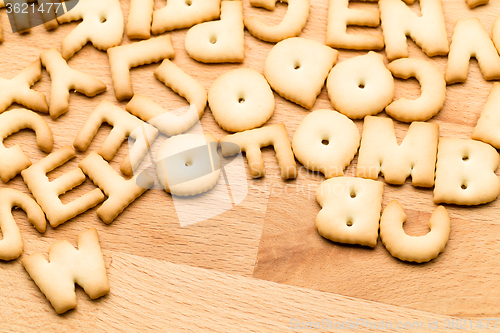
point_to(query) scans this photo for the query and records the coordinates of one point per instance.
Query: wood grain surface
(260, 266)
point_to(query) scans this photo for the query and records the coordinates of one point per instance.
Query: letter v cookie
(65, 79)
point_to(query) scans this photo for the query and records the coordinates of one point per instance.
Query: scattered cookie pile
(462, 172)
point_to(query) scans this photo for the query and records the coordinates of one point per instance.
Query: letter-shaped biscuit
(47, 193)
(65, 79)
(124, 125)
(326, 141)
(17, 89)
(219, 41)
(121, 193)
(11, 246)
(411, 248)
(380, 152)
(188, 164)
(253, 140)
(433, 87)
(350, 210)
(13, 160)
(56, 278)
(240, 100)
(292, 24)
(361, 86)
(488, 124)
(470, 39)
(123, 58)
(428, 31)
(465, 172)
(102, 25)
(139, 19)
(297, 68)
(340, 16)
(180, 14)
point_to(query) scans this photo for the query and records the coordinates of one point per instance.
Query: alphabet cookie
(180, 14)
(410, 248)
(253, 140)
(65, 79)
(240, 100)
(433, 87)
(380, 152)
(465, 172)
(56, 278)
(188, 164)
(470, 39)
(326, 141)
(13, 160)
(121, 193)
(297, 68)
(102, 25)
(361, 86)
(47, 192)
(124, 125)
(219, 41)
(292, 24)
(11, 246)
(428, 30)
(350, 210)
(340, 16)
(139, 19)
(17, 89)
(123, 58)
(487, 126)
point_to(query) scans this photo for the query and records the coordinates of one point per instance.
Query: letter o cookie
(326, 141)
(241, 100)
(188, 164)
(361, 86)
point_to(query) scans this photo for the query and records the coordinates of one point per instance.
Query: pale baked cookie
(433, 87)
(297, 68)
(124, 125)
(17, 89)
(102, 25)
(415, 157)
(326, 141)
(56, 278)
(188, 164)
(123, 58)
(11, 245)
(13, 160)
(488, 124)
(47, 192)
(475, 3)
(292, 24)
(64, 79)
(20, 15)
(180, 14)
(48, 13)
(121, 193)
(427, 31)
(219, 41)
(465, 172)
(411, 248)
(360, 86)
(240, 100)
(140, 16)
(253, 140)
(340, 16)
(350, 210)
(470, 39)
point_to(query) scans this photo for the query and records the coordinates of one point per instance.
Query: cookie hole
(349, 222)
(465, 158)
(361, 86)
(325, 142)
(189, 3)
(296, 66)
(188, 163)
(103, 20)
(353, 194)
(241, 100)
(464, 186)
(213, 40)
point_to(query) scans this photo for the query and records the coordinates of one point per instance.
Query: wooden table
(261, 266)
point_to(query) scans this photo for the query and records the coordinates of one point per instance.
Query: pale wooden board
(199, 278)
